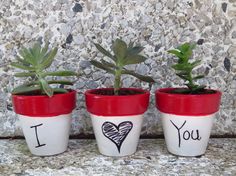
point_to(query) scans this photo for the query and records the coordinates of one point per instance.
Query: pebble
(77, 8)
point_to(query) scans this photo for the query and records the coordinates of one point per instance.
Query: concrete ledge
(152, 158)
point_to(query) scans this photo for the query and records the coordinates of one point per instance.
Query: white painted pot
(117, 136)
(46, 135)
(187, 120)
(45, 121)
(186, 135)
(117, 119)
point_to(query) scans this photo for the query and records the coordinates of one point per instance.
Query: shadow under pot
(187, 120)
(45, 121)
(117, 119)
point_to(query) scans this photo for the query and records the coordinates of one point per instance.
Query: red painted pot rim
(117, 105)
(44, 106)
(185, 104)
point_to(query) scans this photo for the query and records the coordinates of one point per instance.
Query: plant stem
(190, 84)
(38, 75)
(117, 81)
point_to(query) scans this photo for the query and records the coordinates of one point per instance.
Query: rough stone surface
(152, 159)
(157, 25)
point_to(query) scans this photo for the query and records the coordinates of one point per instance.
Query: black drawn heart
(117, 134)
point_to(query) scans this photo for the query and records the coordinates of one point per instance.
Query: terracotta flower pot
(45, 121)
(187, 120)
(117, 120)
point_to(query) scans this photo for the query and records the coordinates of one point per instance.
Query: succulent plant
(35, 61)
(123, 55)
(184, 68)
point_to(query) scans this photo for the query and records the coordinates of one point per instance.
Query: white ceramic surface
(187, 135)
(46, 135)
(117, 135)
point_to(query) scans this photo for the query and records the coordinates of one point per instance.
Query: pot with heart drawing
(117, 113)
(117, 119)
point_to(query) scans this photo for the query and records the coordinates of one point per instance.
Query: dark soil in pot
(121, 92)
(38, 93)
(186, 91)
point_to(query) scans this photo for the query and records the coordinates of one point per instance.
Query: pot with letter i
(187, 113)
(44, 110)
(117, 113)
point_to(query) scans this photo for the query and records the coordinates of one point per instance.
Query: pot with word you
(187, 120)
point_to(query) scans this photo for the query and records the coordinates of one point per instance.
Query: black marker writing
(186, 135)
(117, 134)
(197, 136)
(178, 129)
(36, 133)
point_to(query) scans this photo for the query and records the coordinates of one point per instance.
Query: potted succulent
(187, 113)
(117, 113)
(44, 110)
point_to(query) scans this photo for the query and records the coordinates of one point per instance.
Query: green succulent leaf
(196, 63)
(183, 72)
(135, 50)
(60, 73)
(187, 55)
(60, 90)
(182, 76)
(24, 74)
(176, 53)
(120, 49)
(44, 50)
(186, 47)
(64, 82)
(31, 83)
(104, 51)
(108, 64)
(198, 77)
(46, 88)
(101, 66)
(25, 89)
(36, 52)
(48, 59)
(27, 55)
(23, 67)
(184, 67)
(141, 77)
(134, 59)
(22, 61)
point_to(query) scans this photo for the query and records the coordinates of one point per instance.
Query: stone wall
(156, 24)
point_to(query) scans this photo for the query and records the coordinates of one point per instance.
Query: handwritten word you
(186, 135)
